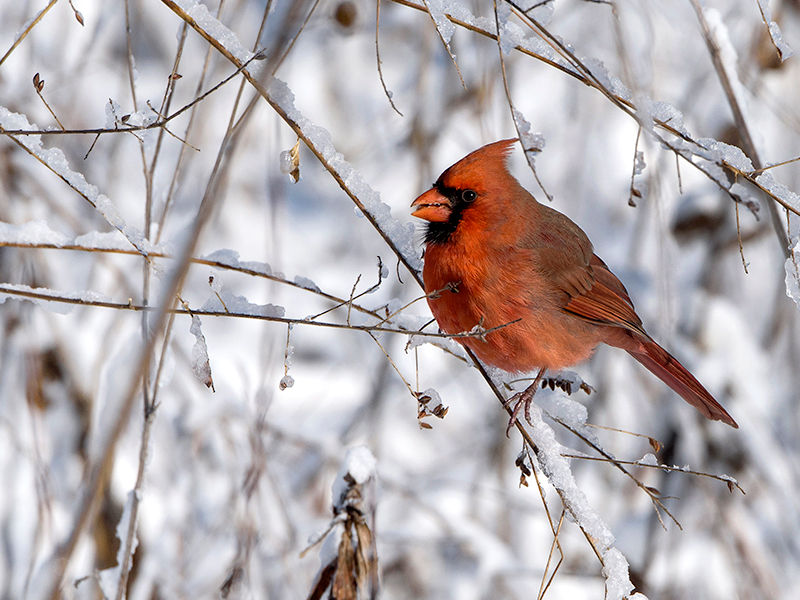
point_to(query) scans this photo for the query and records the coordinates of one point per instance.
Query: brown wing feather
(607, 301)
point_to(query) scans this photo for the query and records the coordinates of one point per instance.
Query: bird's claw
(524, 400)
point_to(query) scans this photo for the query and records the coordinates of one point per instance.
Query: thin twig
(27, 30)
(378, 56)
(633, 190)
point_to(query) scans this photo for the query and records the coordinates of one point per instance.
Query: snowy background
(172, 420)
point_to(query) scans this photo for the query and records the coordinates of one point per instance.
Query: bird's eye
(469, 195)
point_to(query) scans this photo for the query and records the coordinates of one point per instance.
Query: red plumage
(501, 259)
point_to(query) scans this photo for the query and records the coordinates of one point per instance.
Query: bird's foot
(523, 400)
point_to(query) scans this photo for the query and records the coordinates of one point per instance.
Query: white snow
(226, 302)
(443, 24)
(50, 299)
(615, 570)
(199, 12)
(784, 50)
(360, 465)
(33, 233)
(648, 459)
(792, 267)
(57, 161)
(401, 234)
(201, 367)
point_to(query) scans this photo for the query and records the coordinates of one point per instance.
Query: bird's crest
(471, 170)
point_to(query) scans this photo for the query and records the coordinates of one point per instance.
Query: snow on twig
(55, 160)
(397, 235)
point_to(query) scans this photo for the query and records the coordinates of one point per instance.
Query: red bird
(497, 258)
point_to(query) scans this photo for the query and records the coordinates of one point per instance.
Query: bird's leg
(524, 399)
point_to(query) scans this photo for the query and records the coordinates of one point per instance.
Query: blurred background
(233, 482)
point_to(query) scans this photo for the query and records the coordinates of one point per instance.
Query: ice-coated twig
(28, 27)
(398, 236)
(725, 59)
(653, 117)
(774, 31)
(549, 455)
(445, 30)
(55, 160)
(224, 305)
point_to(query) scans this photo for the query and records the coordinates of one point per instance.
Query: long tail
(667, 368)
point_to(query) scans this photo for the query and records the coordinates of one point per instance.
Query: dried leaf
(323, 581)
(294, 156)
(363, 563)
(424, 425)
(79, 17)
(655, 444)
(344, 582)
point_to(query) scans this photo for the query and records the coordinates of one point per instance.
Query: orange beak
(432, 206)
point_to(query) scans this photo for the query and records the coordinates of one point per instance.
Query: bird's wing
(563, 255)
(607, 301)
(560, 252)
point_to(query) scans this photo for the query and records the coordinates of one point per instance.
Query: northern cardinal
(498, 260)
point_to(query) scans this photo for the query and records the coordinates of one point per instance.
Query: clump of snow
(443, 24)
(33, 233)
(358, 467)
(285, 162)
(615, 571)
(230, 258)
(226, 302)
(648, 459)
(510, 34)
(532, 143)
(792, 267)
(201, 367)
(784, 50)
(612, 83)
(557, 469)
(287, 380)
(218, 31)
(306, 283)
(560, 406)
(767, 181)
(639, 164)
(662, 112)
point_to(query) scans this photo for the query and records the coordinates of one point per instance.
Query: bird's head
(467, 184)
